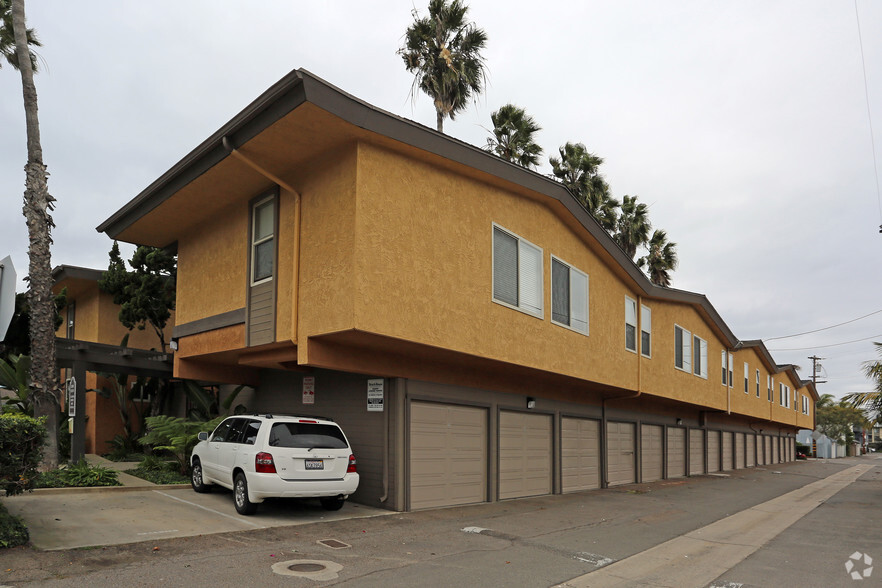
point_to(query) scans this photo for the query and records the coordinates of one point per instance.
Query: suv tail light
(351, 468)
(264, 464)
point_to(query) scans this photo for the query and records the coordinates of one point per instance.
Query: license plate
(315, 464)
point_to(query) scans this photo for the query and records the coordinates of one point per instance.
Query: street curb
(99, 489)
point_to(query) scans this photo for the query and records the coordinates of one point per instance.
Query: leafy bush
(177, 436)
(12, 531)
(79, 475)
(21, 450)
(154, 469)
(123, 447)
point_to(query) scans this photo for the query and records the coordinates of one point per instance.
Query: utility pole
(816, 366)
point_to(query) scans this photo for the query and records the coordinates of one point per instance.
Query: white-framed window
(805, 404)
(569, 296)
(784, 393)
(771, 383)
(645, 331)
(630, 324)
(517, 272)
(263, 247)
(723, 367)
(746, 378)
(787, 396)
(731, 370)
(795, 398)
(682, 349)
(757, 384)
(699, 356)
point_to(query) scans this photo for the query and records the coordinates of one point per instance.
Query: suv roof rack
(272, 415)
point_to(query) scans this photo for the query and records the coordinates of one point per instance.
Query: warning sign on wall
(309, 390)
(375, 395)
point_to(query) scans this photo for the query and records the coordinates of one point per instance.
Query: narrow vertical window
(757, 384)
(569, 296)
(682, 349)
(746, 378)
(645, 331)
(517, 272)
(630, 324)
(263, 240)
(71, 320)
(723, 366)
(699, 356)
(771, 388)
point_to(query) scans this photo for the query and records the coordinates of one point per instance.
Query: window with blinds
(569, 296)
(517, 272)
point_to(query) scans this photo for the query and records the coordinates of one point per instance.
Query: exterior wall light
(679, 422)
(531, 402)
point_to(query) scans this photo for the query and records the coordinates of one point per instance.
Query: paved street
(541, 541)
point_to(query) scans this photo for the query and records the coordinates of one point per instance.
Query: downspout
(228, 145)
(386, 410)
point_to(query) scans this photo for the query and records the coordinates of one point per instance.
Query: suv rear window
(307, 436)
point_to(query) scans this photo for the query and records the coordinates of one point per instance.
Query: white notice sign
(309, 390)
(72, 397)
(375, 395)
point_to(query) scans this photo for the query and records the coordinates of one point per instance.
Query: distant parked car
(275, 456)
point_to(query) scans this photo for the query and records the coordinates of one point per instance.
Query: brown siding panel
(261, 314)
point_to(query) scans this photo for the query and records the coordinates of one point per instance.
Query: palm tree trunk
(37, 204)
(439, 120)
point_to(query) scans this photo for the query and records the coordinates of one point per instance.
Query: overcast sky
(744, 126)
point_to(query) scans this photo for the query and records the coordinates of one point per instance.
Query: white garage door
(651, 453)
(696, 452)
(776, 450)
(739, 451)
(620, 453)
(727, 450)
(524, 454)
(448, 455)
(676, 452)
(751, 450)
(713, 451)
(767, 455)
(580, 454)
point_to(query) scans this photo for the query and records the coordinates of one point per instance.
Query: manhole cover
(312, 569)
(333, 543)
(307, 567)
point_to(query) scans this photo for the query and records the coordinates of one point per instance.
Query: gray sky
(742, 124)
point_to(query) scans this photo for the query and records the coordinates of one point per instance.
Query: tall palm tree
(37, 205)
(633, 226)
(7, 38)
(512, 136)
(579, 170)
(443, 51)
(661, 259)
(870, 400)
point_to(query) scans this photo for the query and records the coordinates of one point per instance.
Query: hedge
(12, 531)
(21, 450)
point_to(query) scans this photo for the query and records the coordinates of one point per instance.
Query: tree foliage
(176, 435)
(7, 38)
(579, 171)
(512, 136)
(632, 226)
(146, 294)
(21, 450)
(836, 421)
(870, 401)
(660, 260)
(443, 51)
(18, 340)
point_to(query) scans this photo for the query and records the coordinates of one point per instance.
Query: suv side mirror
(203, 436)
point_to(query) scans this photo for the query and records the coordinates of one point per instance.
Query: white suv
(275, 456)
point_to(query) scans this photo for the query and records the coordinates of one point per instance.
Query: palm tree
(825, 400)
(7, 38)
(870, 400)
(661, 259)
(443, 51)
(633, 226)
(37, 205)
(578, 170)
(512, 136)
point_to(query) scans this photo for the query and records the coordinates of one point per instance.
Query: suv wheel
(240, 496)
(332, 502)
(196, 477)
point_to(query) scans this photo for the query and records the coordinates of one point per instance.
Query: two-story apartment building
(473, 329)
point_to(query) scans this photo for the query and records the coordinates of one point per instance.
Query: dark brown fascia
(301, 86)
(73, 272)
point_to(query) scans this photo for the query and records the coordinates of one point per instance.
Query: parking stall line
(217, 512)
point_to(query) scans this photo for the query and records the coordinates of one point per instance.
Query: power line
(830, 345)
(823, 328)
(857, 17)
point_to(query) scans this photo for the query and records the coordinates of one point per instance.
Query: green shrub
(153, 469)
(177, 436)
(80, 475)
(12, 531)
(21, 450)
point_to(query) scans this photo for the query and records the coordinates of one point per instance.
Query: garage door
(767, 450)
(580, 454)
(713, 451)
(651, 453)
(792, 449)
(739, 451)
(696, 451)
(620, 453)
(524, 454)
(776, 450)
(676, 452)
(727, 450)
(448, 455)
(751, 450)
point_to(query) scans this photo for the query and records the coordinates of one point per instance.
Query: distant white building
(826, 448)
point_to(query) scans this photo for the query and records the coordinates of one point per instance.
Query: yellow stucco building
(475, 332)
